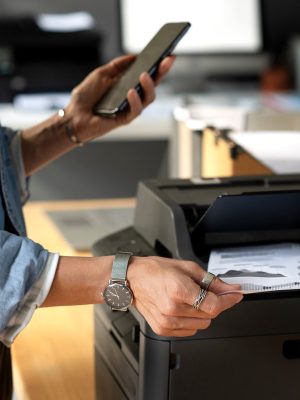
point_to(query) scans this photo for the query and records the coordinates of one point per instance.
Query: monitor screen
(218, 26)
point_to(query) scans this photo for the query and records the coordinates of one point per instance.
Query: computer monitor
(218, 26)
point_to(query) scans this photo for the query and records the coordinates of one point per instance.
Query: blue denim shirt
(22, 261)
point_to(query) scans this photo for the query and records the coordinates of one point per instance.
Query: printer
(33, 60)
(250, 351)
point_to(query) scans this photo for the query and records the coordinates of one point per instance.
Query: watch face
(118, 296)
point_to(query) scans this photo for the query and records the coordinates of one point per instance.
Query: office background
(103, 11)
(90, 172)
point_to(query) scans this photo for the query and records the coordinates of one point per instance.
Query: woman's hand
(165, 290)
(86, 125)
(50, 139)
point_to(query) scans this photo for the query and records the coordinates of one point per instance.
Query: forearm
(79, 280)
(45, 142)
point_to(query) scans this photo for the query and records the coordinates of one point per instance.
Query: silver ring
(199, 299)
(207, 280)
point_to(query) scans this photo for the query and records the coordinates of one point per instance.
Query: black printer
(250, 351)
(36, 61)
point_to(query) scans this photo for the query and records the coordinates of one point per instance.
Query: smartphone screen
(162, 45)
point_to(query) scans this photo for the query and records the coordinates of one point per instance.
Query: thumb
(218, 286)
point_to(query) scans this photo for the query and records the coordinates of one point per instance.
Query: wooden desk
(53, 358)
(219, 159)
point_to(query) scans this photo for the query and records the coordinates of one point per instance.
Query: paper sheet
(258, 268)
(279, 151)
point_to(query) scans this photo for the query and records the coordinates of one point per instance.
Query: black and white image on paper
(258, 268)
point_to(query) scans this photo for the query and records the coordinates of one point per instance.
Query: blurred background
(234, 53)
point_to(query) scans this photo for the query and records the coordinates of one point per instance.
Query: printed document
(258, 268)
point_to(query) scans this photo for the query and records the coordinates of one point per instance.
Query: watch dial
(118, 296)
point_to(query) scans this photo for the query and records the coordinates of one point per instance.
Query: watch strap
(120, 265)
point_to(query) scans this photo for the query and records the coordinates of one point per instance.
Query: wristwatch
(117, 293)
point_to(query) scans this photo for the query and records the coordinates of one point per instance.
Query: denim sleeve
(22, 264)
(17, 158)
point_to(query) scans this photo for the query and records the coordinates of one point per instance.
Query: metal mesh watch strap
(120, 265)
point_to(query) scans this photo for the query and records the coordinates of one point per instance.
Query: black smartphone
(162, 45)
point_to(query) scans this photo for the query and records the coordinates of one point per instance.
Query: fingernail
(144, 75)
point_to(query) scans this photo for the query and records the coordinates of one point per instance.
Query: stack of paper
(259, 268)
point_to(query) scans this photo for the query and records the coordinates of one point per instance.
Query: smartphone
(163, 43)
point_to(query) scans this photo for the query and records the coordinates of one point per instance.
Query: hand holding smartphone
(163, 43)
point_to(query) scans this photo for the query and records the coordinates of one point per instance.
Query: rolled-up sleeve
(26, 274)
(17, 158)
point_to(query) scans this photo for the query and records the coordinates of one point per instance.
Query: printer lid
(250, 217)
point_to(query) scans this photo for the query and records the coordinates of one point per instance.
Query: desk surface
(54, 356)
(155, 123)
